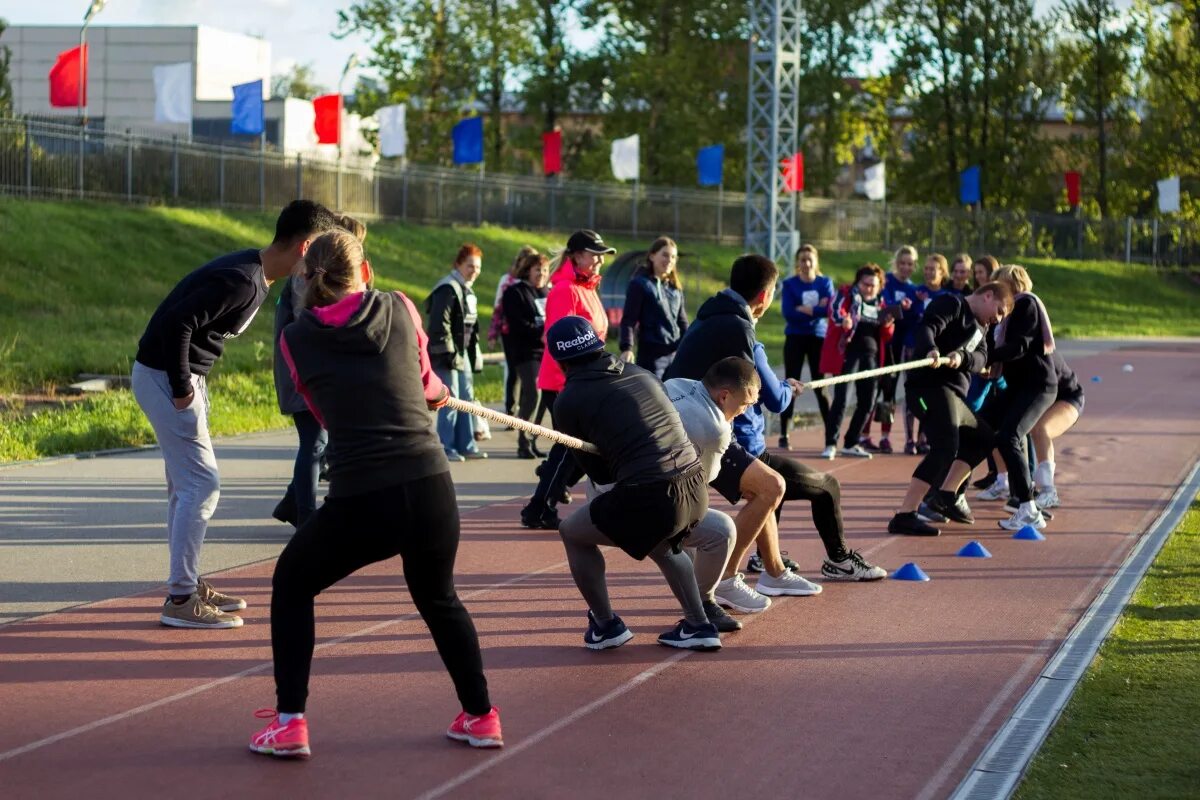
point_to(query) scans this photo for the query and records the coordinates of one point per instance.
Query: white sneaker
(829, 453)
(1047, 498)
(858, 451)
(852, 568)
(997, 491)
(788, 583)
(736, 594)
(1020, 519)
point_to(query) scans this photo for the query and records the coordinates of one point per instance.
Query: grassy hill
(78, 282)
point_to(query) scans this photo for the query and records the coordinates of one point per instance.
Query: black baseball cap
(588, 241)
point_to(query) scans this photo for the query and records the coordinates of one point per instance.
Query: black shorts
(639, 516)
(1073, 395)
(734, 464)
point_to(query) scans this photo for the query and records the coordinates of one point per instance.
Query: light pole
(95, 8)
(351, 63)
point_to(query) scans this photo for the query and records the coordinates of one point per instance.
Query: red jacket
(571, 294)
(845, 306)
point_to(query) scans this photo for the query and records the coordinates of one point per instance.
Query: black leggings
(798, 348)
(865, 394)
(820, 489)
(417, 520)
(1023, 407)
(526, 372)
(953, 431)
(560, 470)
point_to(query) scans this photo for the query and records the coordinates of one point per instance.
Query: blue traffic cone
(1029, 534)
(910, 572)
(974, 549)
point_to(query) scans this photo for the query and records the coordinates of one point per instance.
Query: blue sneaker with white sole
(691, 636)
(602, 636)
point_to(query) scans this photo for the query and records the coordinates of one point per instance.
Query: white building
(120, 82)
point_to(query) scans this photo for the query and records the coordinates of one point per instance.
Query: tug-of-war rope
(587, 447)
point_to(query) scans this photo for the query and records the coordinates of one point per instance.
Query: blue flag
(968, 186)
(468, 141)
(247, 114)
(710, 163)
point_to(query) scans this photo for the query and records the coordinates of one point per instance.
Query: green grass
(1130, 730)
(78, 281)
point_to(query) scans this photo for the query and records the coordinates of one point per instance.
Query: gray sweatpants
(193, 485)
(712, 540)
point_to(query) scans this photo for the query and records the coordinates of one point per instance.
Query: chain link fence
(52, 160)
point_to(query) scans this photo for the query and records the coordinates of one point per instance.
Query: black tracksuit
(938, 395)
(524, 308)
(390, 490)
(1032, 387)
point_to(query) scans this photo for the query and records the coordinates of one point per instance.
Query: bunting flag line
(65, 89)
(247, 112)
(710, 165)
(173, 90)
(625, 157)
(552, 153)
(468, 141)
(875, 182)
(1168, 195)
(969, 186)
(1073, 188)
(393, 131)
(793, 172)
(327, 122)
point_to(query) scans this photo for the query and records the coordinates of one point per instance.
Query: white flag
(173, 90)
(1168, 195)
(393, 135)
(875, 182)
(624, 158)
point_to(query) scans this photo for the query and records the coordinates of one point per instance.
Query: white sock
(1001, 480)
(284, 719)
(1029, 509)
(1043, 476)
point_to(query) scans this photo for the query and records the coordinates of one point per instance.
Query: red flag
(552, 153)
(329, 110)
(64, 78)
(793, 173)
(1072, 188)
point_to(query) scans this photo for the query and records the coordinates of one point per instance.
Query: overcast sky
(300, 31)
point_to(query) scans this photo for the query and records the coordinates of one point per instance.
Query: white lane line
(142, 709)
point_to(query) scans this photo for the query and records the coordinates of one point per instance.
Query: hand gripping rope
(587, 447)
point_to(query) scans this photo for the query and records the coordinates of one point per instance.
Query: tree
(547, 85)
(6, 97)
(1098, 61)
(675, 73)
(299, 81)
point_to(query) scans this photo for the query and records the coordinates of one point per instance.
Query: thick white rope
(875, 373)
(521, 425)
(587, 447)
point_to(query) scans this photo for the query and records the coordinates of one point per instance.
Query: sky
(304, 36)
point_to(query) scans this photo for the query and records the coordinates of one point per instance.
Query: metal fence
(50, 160)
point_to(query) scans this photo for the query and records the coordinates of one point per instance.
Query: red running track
(888, 689)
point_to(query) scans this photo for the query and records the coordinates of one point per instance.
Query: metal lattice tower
(772, 134)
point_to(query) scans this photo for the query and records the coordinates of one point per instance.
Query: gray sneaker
(211, 596)
(734, 593)
(787, 583)
(195, 613)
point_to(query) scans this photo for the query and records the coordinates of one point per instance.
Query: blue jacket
(894, 292)
(775, 395)
(723, 328)
(799, 292)
(654, 313)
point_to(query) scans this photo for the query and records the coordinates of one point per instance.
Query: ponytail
(331, 264)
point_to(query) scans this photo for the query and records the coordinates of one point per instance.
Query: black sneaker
(909, 524)
(285, 510)
(717, 616)
(985, 481)
(784, 444)
(525, 453)
(565, 497)
(603, 637)
(951, 506)
(929, 514)
(754, 564)
(539, 519)
(1013, 505)
(788, 563)
(689, 636)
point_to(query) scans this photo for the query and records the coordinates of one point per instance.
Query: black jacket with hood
(723, 328)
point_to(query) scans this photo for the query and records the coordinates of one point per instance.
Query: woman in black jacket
(1024, 345)
(654, 314)
(524, 306)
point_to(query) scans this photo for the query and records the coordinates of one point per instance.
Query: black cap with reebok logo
(588, 241)
(572, 337)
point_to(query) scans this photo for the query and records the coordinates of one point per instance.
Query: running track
(881, 690)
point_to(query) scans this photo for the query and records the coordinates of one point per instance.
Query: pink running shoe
(283, 741)
(478, 731)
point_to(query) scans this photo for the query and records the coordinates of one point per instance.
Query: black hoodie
(723, 328)
(625, 412)
(360, 368)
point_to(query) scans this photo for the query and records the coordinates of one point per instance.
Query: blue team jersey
(798, 292)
